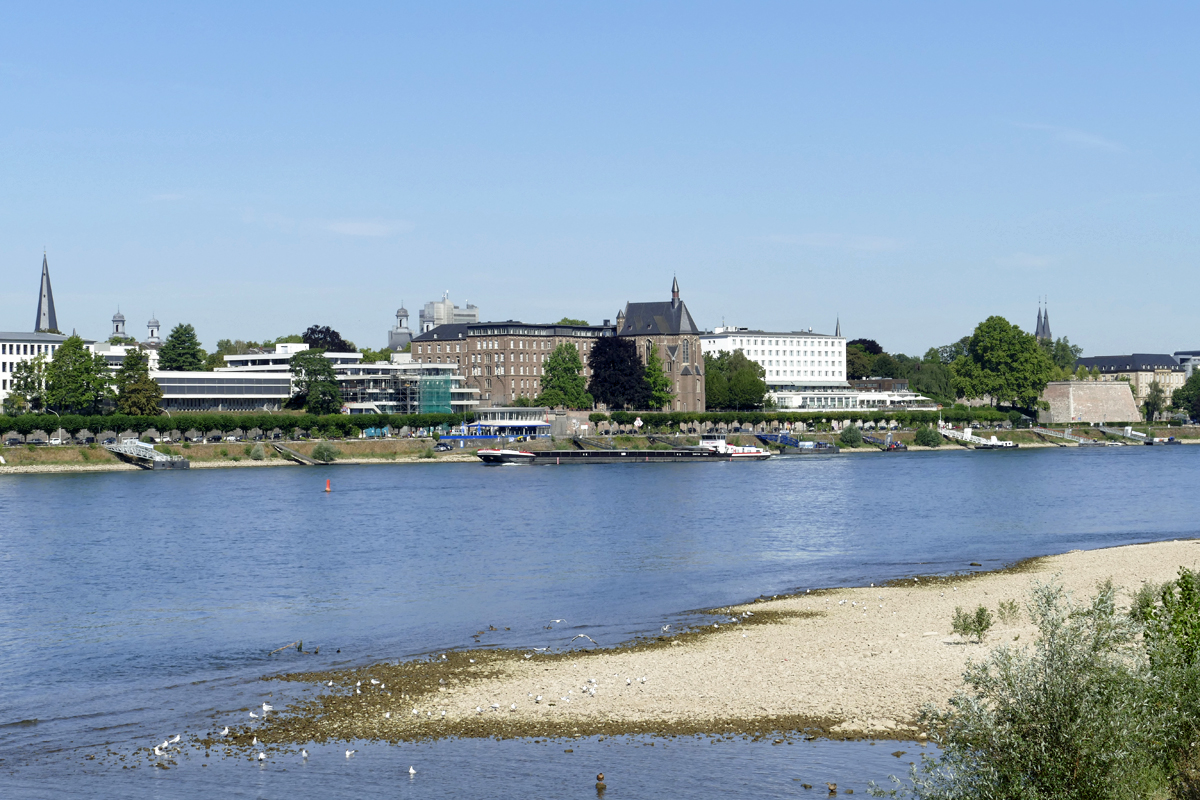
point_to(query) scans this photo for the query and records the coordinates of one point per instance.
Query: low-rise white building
(16, 347)
(803, 369)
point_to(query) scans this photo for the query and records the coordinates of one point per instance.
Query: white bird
(357, 690)
(412, 771)
(350, 753)
(262, 756)
(558, 620)
(416, 712)
(255, 741)
(666, 628)
(628, 682)
(329, 684)
(539, 699)
(478, 710)
(175, 740)
(513, 707)
(303, 753)
(443, 713)
(267, 708)
(253, 715)
(226, 731)
(529, 655)
(157, 751)
(374, 682)
(387, 715)
(495, 706)
(472, 661)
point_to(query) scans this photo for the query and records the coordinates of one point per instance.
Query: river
(139, 605)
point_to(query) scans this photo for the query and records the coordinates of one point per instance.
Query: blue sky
(913, 168)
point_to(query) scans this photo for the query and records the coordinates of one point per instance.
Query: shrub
(257, 453)
(248, 449)
(1009, 612)
(927, 437)
(851, 436)
(1065, 718)
(426, 453)
(972, 625)
(325, 452)
(186, 445)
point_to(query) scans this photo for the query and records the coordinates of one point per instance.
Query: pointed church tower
(674, 292)
(1037, 331)
(1046, 326)
(47, 320)
(837, 331)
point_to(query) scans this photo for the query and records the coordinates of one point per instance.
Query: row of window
(27, 349)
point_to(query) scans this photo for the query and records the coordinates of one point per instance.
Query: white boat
(494, 456)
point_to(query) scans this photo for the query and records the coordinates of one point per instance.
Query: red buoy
(327, 484)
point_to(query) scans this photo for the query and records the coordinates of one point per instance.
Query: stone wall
(1089, 401)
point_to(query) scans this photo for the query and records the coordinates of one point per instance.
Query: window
(686, 351)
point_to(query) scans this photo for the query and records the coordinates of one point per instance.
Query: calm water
(136, 605)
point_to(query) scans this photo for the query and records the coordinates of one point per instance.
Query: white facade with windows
(804, 370)
(18, 347)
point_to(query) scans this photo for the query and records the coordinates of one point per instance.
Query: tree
(370, 356)
(733, 381)
(858, 362)
(563, 383)
(869, 346)
(1003, 362)
(932, 356)
(1154, 402)
(315, 382)
(1063, 353)
(181, 351)
(660, 384)
(320, 337)
(1187, 397)
(932, 379)
(137, 393)
(885, 366)
(949, 353)
(618, 375)
(716, 384)
(569, 321)
(927, 436)
(122, 340)
(76, 380)
(28, 386)
(851, 436)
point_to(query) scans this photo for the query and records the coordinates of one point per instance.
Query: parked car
(12, 442)
(110, 440)
(55, 440)
(443, 447)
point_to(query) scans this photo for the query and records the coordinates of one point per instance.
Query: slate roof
(453, 330)
(1136, 362)
(667, 318)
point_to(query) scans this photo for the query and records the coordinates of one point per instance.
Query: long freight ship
(712, 448)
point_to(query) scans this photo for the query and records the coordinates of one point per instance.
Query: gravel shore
(842, 663)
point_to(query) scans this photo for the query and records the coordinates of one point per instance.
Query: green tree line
(333, 424)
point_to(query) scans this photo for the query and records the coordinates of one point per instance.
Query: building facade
(504, 361)
(1189, 360)
(443, 312)
(399, 336)
(667, 329)
(1140, 370)
(803, 370)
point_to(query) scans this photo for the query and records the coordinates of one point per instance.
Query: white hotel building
(804, 370)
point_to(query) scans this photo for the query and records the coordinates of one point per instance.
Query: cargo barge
(711, 448)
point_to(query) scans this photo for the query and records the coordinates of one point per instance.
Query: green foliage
(371, 356)
(1009, 612)
(181, 351)
(596, 417)
(927, 436)
(1144, 602)
(931, 379)
(733, 381)
(1154, 403)
(1065, 719)
(660, 384)
(315, 382)
(76, 380)
(858, 362)
(570, 321)
(1002, 362)
(427, 453)
(618, 375)
(974, 625)
(1175, 624)
(868, 346)
(137, 394)
(129, 340)
(850, 436)
(563, 384)
(258, 452)
(950, 353)
(1063, 353)
(325, 452)
(885, 366)
(1187, 397)
(28, 386)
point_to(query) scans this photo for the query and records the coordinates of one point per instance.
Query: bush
(325, 452)
(1009, 612)
(426, 453)
(851, 436)
(974, 625)
(257, 453)
(1065, 719)
(927, 437)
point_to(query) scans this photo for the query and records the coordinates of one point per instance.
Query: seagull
(583, 636)
(350, 753)
(262, 756)
(267, 708)
(416, 712)
(226, 731)
(472, 661)
(329, 684)
(158, 750)
(357, 690)
(255, 741)
(358, 684)
(513, 707)
(539, 699)
(253, 715)
(666, 628)
(412, 771)
(175, 740)
(387, 715)
(628, 682)
(558, 620)
(303, 753)
(478, 710)
(374, 682)
(443, 713)
(495, 706)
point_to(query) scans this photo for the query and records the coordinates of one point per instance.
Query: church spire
(47, 320)
(674, 292)
(838, 328)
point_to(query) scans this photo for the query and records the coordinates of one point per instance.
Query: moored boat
(710, 449)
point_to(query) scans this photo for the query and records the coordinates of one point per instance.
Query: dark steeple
(47, 320)
(1046, 335)
(674, 292)
(838, 328)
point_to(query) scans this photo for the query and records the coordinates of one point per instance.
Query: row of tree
(76, 381)
(334, 424)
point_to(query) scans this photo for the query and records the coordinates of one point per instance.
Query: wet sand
(840, 663)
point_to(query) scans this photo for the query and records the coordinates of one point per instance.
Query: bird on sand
(255, 741)
(226, 731)
(387, 715)
(558, 620)
(267, 707)
(374, 682)
(253, 715)
(329, 684)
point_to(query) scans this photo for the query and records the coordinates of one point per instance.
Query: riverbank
(838, 663)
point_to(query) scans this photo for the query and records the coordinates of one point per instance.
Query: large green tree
(77, 381)
(618, 375)
(1187, 397)
(137, 393)
(563, 383)
(314, 382)
(323, 337)
(27, 390)
(1004, 363)
(1063, 353)
(181, 352)
(858, 362)
(660, 385)
(932, 379)
(738, 382)
(571, 321)
(1155, 400)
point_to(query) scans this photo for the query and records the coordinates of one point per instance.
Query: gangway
(1080, 440)
(778, 438)
(588, 443)
(288, 452)
(887, 444)
(145, 456)
(980, 443)
(1127, 432)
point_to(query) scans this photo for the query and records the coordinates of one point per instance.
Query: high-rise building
(443, 312)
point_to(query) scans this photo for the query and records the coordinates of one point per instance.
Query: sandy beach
(843, 663)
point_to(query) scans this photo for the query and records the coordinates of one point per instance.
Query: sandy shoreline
(842, 663)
